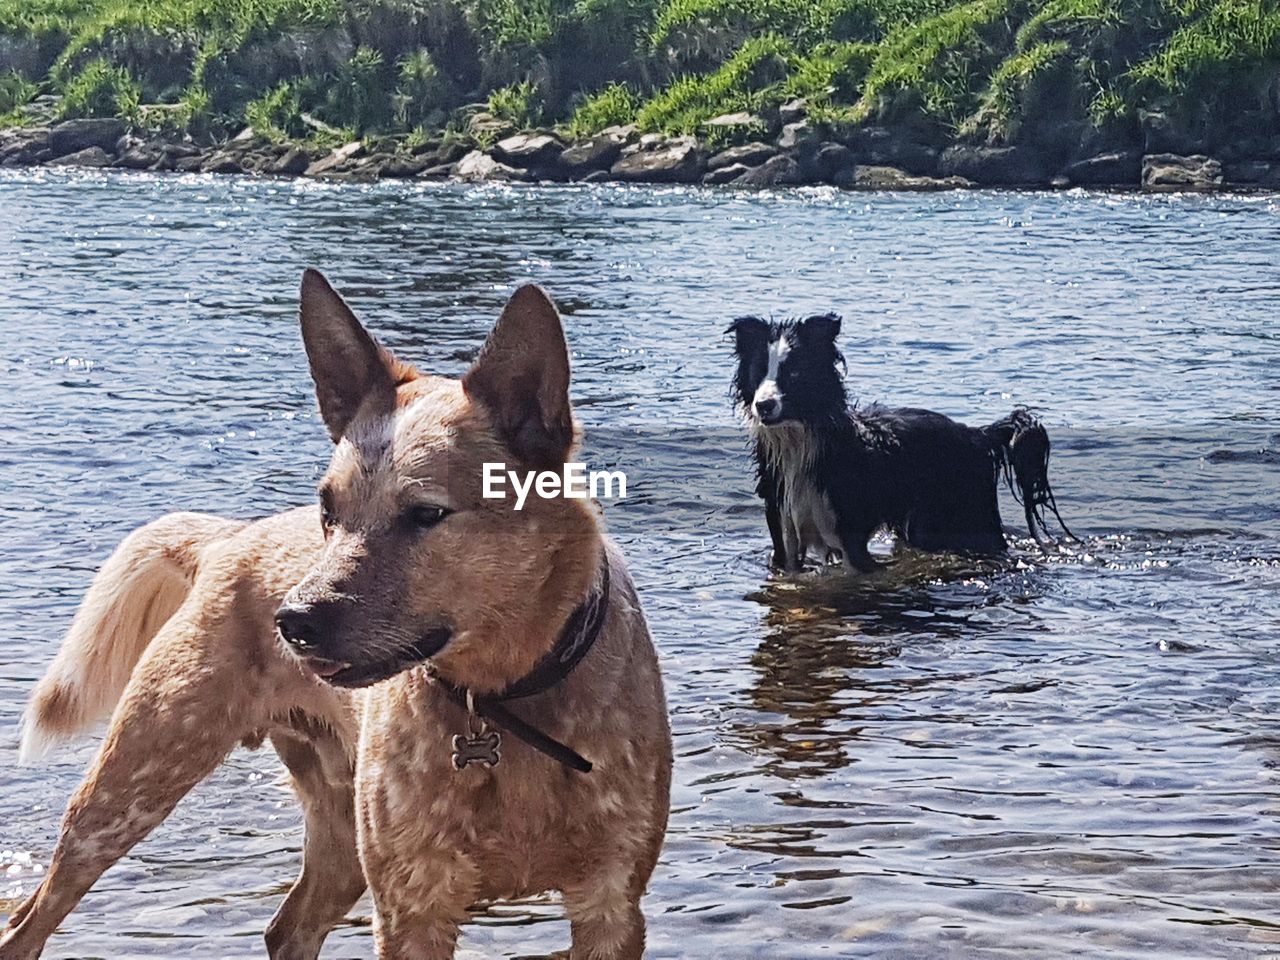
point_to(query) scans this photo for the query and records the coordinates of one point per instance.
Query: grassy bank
(984, 71)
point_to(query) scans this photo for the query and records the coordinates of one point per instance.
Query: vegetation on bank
(994, 71)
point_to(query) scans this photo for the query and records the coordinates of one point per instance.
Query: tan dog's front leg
(419, 900)
(407, 930)
(331, 880)
(605, 919)
(185, 707)
(420, 937)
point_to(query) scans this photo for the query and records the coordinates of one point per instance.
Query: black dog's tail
(1020, 450)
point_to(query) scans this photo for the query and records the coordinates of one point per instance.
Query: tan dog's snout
(300, 627)
(309, 631)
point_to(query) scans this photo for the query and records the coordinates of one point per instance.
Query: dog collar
(482, 745)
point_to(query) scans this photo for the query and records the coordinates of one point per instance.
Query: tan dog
(528, 617)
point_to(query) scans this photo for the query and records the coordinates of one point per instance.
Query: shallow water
(1066, 755)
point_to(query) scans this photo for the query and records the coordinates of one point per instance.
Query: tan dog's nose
(296, 623)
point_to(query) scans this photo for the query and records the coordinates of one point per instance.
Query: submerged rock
(1173, 171)
(776, 171)
(878, 177)
(221, 163)
(478, 165)
(335, 159)
(598, 153)
(748, 154)
(670, 161)
(722, 175)
(1106, 169)
(528, 150)
(71, 136)
(291, 163)
(1254, 173)
(996, 166)
(88, 157)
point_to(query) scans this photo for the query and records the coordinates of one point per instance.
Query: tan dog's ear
(522, 376)
(347, 365)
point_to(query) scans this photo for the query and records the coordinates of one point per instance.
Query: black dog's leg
(853, 541)
(786, 555)
(968, 523)
(861, 560)
(773, 516)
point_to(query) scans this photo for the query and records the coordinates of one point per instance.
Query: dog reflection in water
(819, 670)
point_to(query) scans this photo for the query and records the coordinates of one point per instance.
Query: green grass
(939, 66)
(16, 91)
(100, 90)
(832, 73)
(993, 70)
(1010, 93)
(277, 116)
(422, 93)
(1223, 41)
(615, 104)
(752, 77)
(519, 103)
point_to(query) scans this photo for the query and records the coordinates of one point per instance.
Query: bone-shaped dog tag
(481, 748)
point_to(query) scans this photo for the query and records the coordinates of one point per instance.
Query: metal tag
(480, 748)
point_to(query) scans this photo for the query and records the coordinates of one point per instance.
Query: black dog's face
(788, 372)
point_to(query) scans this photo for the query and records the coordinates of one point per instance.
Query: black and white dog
(831, 474)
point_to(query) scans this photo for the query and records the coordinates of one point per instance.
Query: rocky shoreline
(799, 153)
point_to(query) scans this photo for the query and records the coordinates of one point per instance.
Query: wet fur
(831, 474)
(201, 668)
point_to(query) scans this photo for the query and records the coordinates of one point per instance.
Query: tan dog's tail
(133, 595)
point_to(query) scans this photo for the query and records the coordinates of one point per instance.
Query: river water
(1064, 755)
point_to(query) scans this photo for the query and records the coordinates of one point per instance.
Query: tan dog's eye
(425, 516)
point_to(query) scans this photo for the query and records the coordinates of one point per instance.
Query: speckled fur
(212, 676)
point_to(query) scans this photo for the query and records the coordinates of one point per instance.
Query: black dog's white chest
(808, 519)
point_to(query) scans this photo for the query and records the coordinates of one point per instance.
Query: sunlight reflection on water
(1042, 756)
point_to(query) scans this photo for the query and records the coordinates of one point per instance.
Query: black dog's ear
(748, 334)
(824, 327)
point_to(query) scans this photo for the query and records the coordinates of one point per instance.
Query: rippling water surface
(1072, 755)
